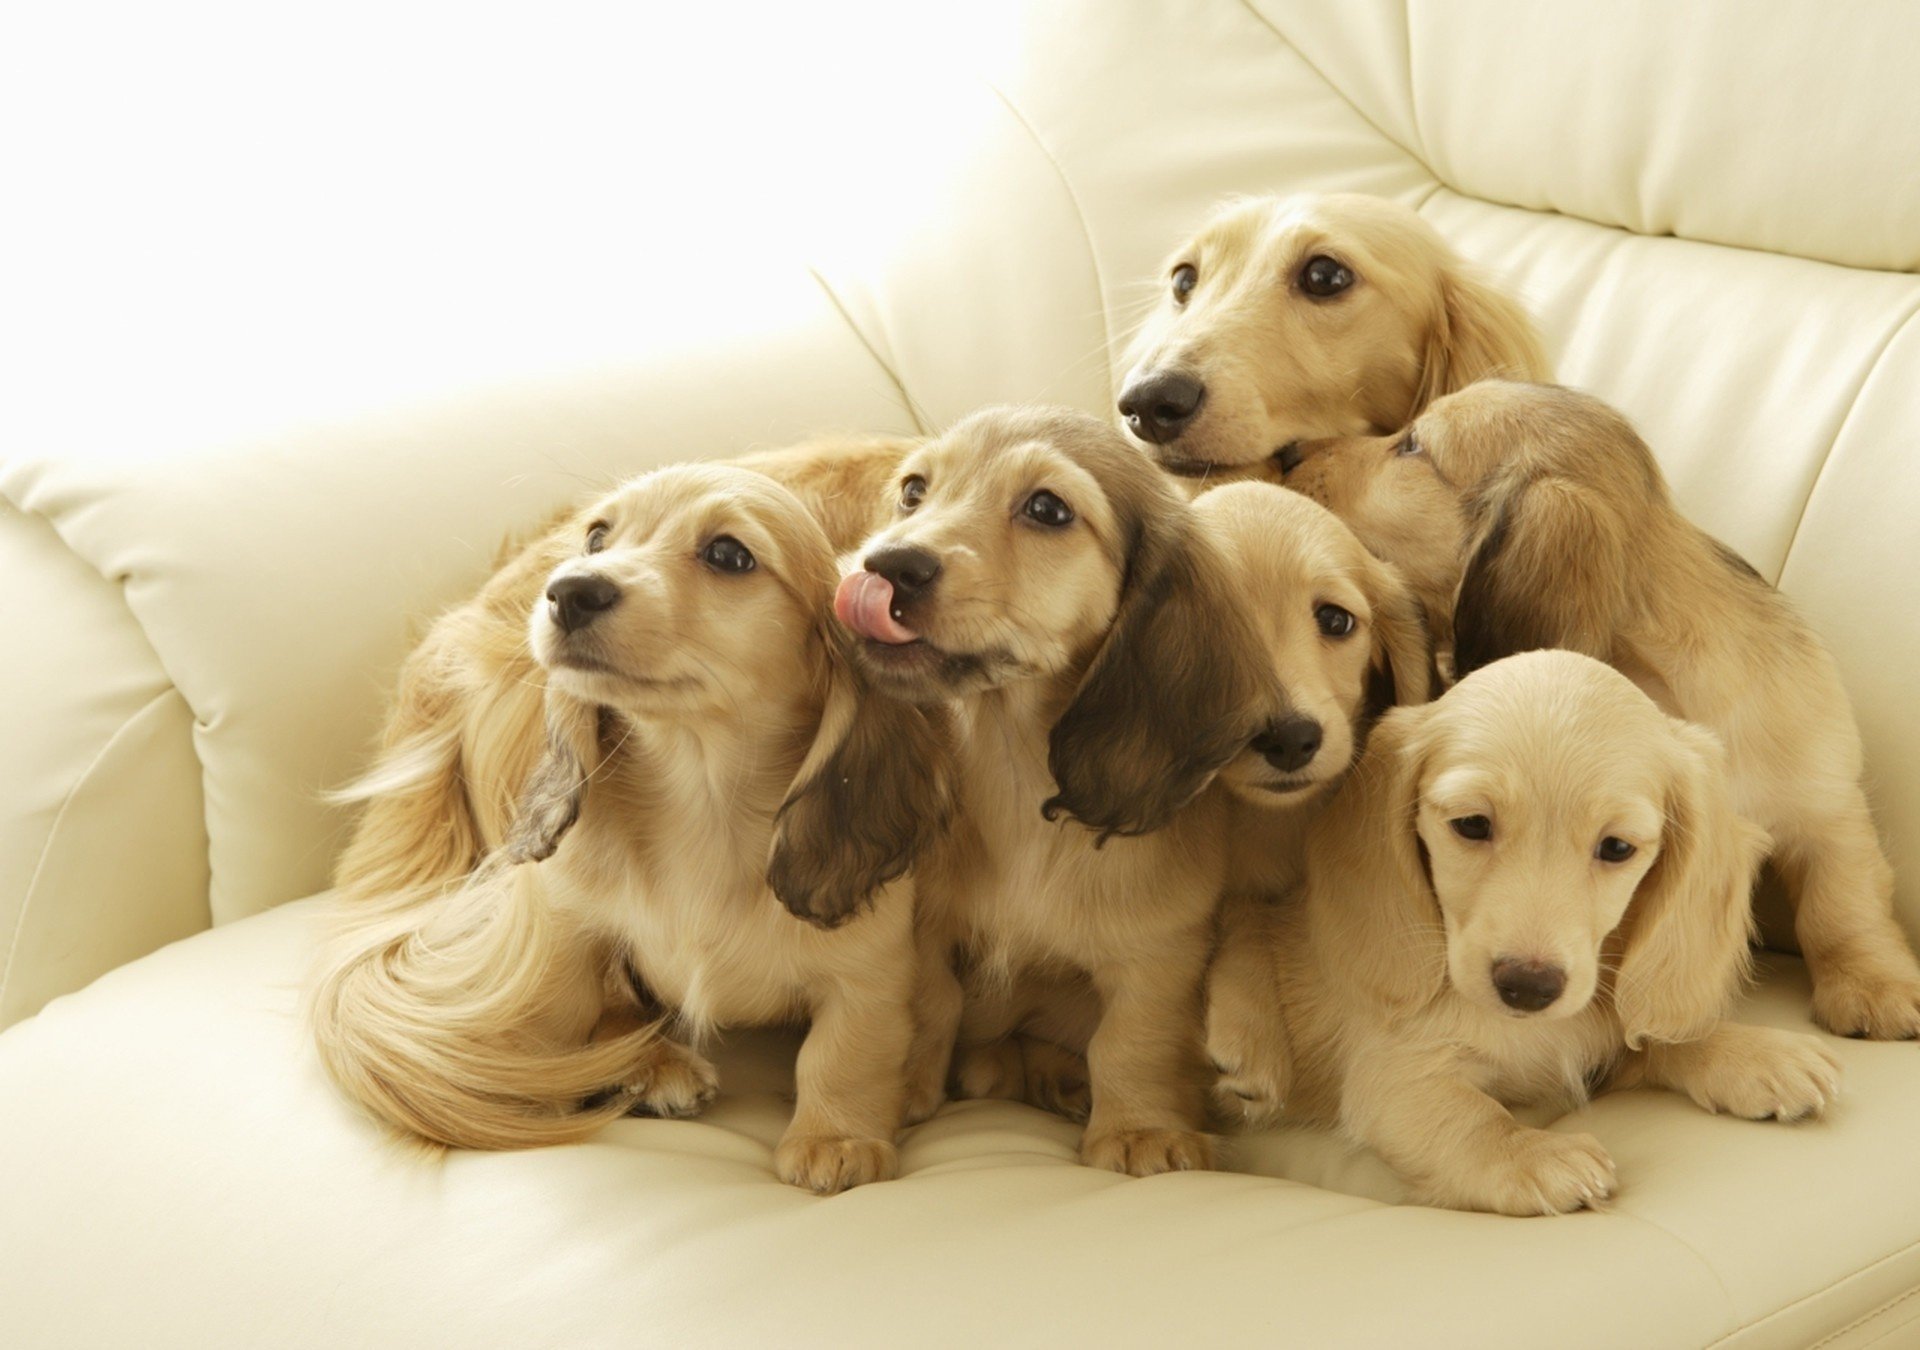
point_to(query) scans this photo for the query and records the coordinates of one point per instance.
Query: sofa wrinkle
(921, 423)
(1341, 94)
(59, 817)
(1827, 1288)
(1080, 214)
(1853, 404)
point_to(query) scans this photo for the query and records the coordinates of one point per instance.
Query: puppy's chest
(1529, 1061)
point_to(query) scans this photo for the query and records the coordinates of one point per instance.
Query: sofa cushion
(178, 1172)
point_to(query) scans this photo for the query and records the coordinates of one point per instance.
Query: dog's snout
(1288, 457)
(1289, 744)
(1528, 986)
(576, 599)
(910, 569)
(1159, 406)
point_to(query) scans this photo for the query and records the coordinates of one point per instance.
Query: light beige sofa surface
(1713, 210)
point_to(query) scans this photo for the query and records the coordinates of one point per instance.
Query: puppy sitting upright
(1532, 884)
(1533, 516)
(706, 748)
(1050, 583)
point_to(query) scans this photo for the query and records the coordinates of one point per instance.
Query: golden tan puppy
(1533, 516)
(1346, 639)
(1287, 319)
(1043, 579)
(705, 748)
(462, 734)
(1534, 883)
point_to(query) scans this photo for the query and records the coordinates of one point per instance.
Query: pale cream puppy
(1532, 516)
(1532, 885)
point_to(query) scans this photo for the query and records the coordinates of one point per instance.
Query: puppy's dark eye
(911, 491)
(597, 536)
(1323, 277)
(1614, 849)
(1185, 277)
(1407, 444)
(724, 553)
(1334, 621)
(1046, 509)
(1476, 828)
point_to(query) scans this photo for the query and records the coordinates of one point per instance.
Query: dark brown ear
(1175, 691)
(1402, 652)
(555, 791)
(874, 792)
(1548, 565)
(1479, 332)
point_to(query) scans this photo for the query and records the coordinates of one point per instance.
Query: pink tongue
(864, 603)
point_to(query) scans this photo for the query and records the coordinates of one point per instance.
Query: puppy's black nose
(1528, 985)
(575, 599)
(1290, 744)
(1160, 406)
(1288, 457)
(910, 569)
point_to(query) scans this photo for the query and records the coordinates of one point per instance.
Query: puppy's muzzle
(577, 599)
(1289, 744)
(1161, 405)
(911, 570)
(1528, 986)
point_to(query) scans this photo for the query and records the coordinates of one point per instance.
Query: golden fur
(703, 741)
(1099, 670)
(1278, 364)
(1532, 516)
(463, 732)
(1385, 965)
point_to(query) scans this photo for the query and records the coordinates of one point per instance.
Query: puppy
(1347, 639)
(1533, 516)
(1043, 580)
(1535, 884)
(1286, 319)
(704, 741)
(463, 733)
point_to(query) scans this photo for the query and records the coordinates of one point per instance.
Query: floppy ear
(1688, 929)
(1402, 655)
(557, 788)
(1478, 332)
(873, 793)
(1174, 692)
(1549, 564)
(1364, 852)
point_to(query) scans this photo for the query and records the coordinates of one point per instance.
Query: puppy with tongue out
(1042, 578)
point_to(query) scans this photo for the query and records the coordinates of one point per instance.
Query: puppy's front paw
(989, 1072)
(1253, 1066)
(1866, 1005)
(1768, 1074)
(1537, 1172)
(826, 1165)
(680, 1083)
(1145, 1153)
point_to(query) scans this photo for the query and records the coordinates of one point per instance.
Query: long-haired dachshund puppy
(1532, 886)
(1047, 582)
(1287, 319)
(462, 735)
(1533, 516)
(705, 747)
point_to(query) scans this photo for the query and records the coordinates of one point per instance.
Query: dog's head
(1559, 823)
(701, 597)
(1338, 627)
(1518, 510)
(1308, 317)
(1036, 546)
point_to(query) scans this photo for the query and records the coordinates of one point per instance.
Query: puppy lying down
(1529, 890)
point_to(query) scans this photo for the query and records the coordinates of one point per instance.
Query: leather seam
(1415, 155)
(1086, 229)
(59, 818)
(1864, 1318)
(1839, 432)
(1828, 1288)
(911, 405)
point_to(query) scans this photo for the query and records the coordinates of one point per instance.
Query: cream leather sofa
(1714, 211)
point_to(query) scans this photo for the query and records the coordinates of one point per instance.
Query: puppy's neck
(718, 771)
